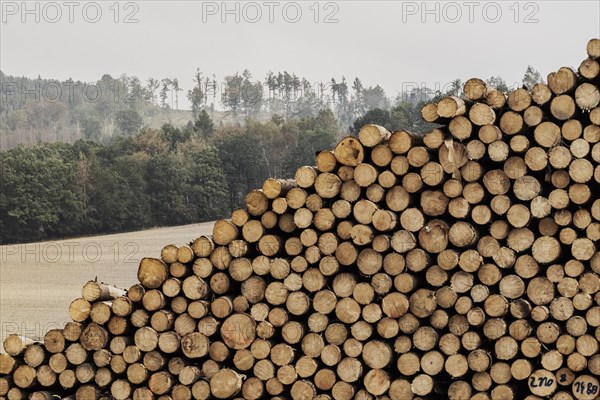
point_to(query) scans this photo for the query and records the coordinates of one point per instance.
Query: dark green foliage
(129, 121)
(117, 194)
(203, 125)
(39, 192)
(318, 134)
(232, 93)
(178, 174)
(403, 115)
(407, 115)
(207, 181)
(196, 94)
(91, 129)
(257, 151)
(241, 156)
(375, 116)
(168, 184)
(173, 136)
(161, 177)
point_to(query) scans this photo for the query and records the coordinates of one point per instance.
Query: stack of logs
(461, 264)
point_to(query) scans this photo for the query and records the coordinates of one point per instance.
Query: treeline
(47, 110)
(36, 110)
(169, 176)
(118, 173)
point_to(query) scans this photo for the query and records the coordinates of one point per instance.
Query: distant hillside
(48, 110)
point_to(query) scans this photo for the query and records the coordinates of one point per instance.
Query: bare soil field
(39, 280)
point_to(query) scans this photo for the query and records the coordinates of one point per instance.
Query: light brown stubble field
(38, 281)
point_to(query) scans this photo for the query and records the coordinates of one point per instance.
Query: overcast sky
(393, 43)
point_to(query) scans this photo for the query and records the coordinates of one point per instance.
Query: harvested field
(39, 280)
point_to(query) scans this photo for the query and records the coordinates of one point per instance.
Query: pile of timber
(462, 264)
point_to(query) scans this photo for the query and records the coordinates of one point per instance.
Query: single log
(101, 312)
(160, 382)
(429, 112)
(203, 246)
(364, 175)
(533, 116)
(371, 135)
(153, 300)
(24, 376)
(349, 151)
(274, 188)
(328, 185)
(79, 310)
(95, 291)
(224, 232)
(169, 253)
(450, 107)
(562, 81)
(481, 114)
(511, 123)
(225, 384)
(122, 306)
(314, 202)
(452, 156)
(541, 93)
(495, 98)
(194, 345)
(400, 142)
(152, 273)
(475, 89)
(239, 217)
(593, 48)
(94, 337)
(305, 176)
(35, 355)
(519, 99)
(238, 331)
(542, 382)
(377, 382)
(563, 107)
(461, 127)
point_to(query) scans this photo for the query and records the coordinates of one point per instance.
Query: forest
(120, 156)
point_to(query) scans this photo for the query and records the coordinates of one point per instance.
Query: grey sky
(393, 43)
